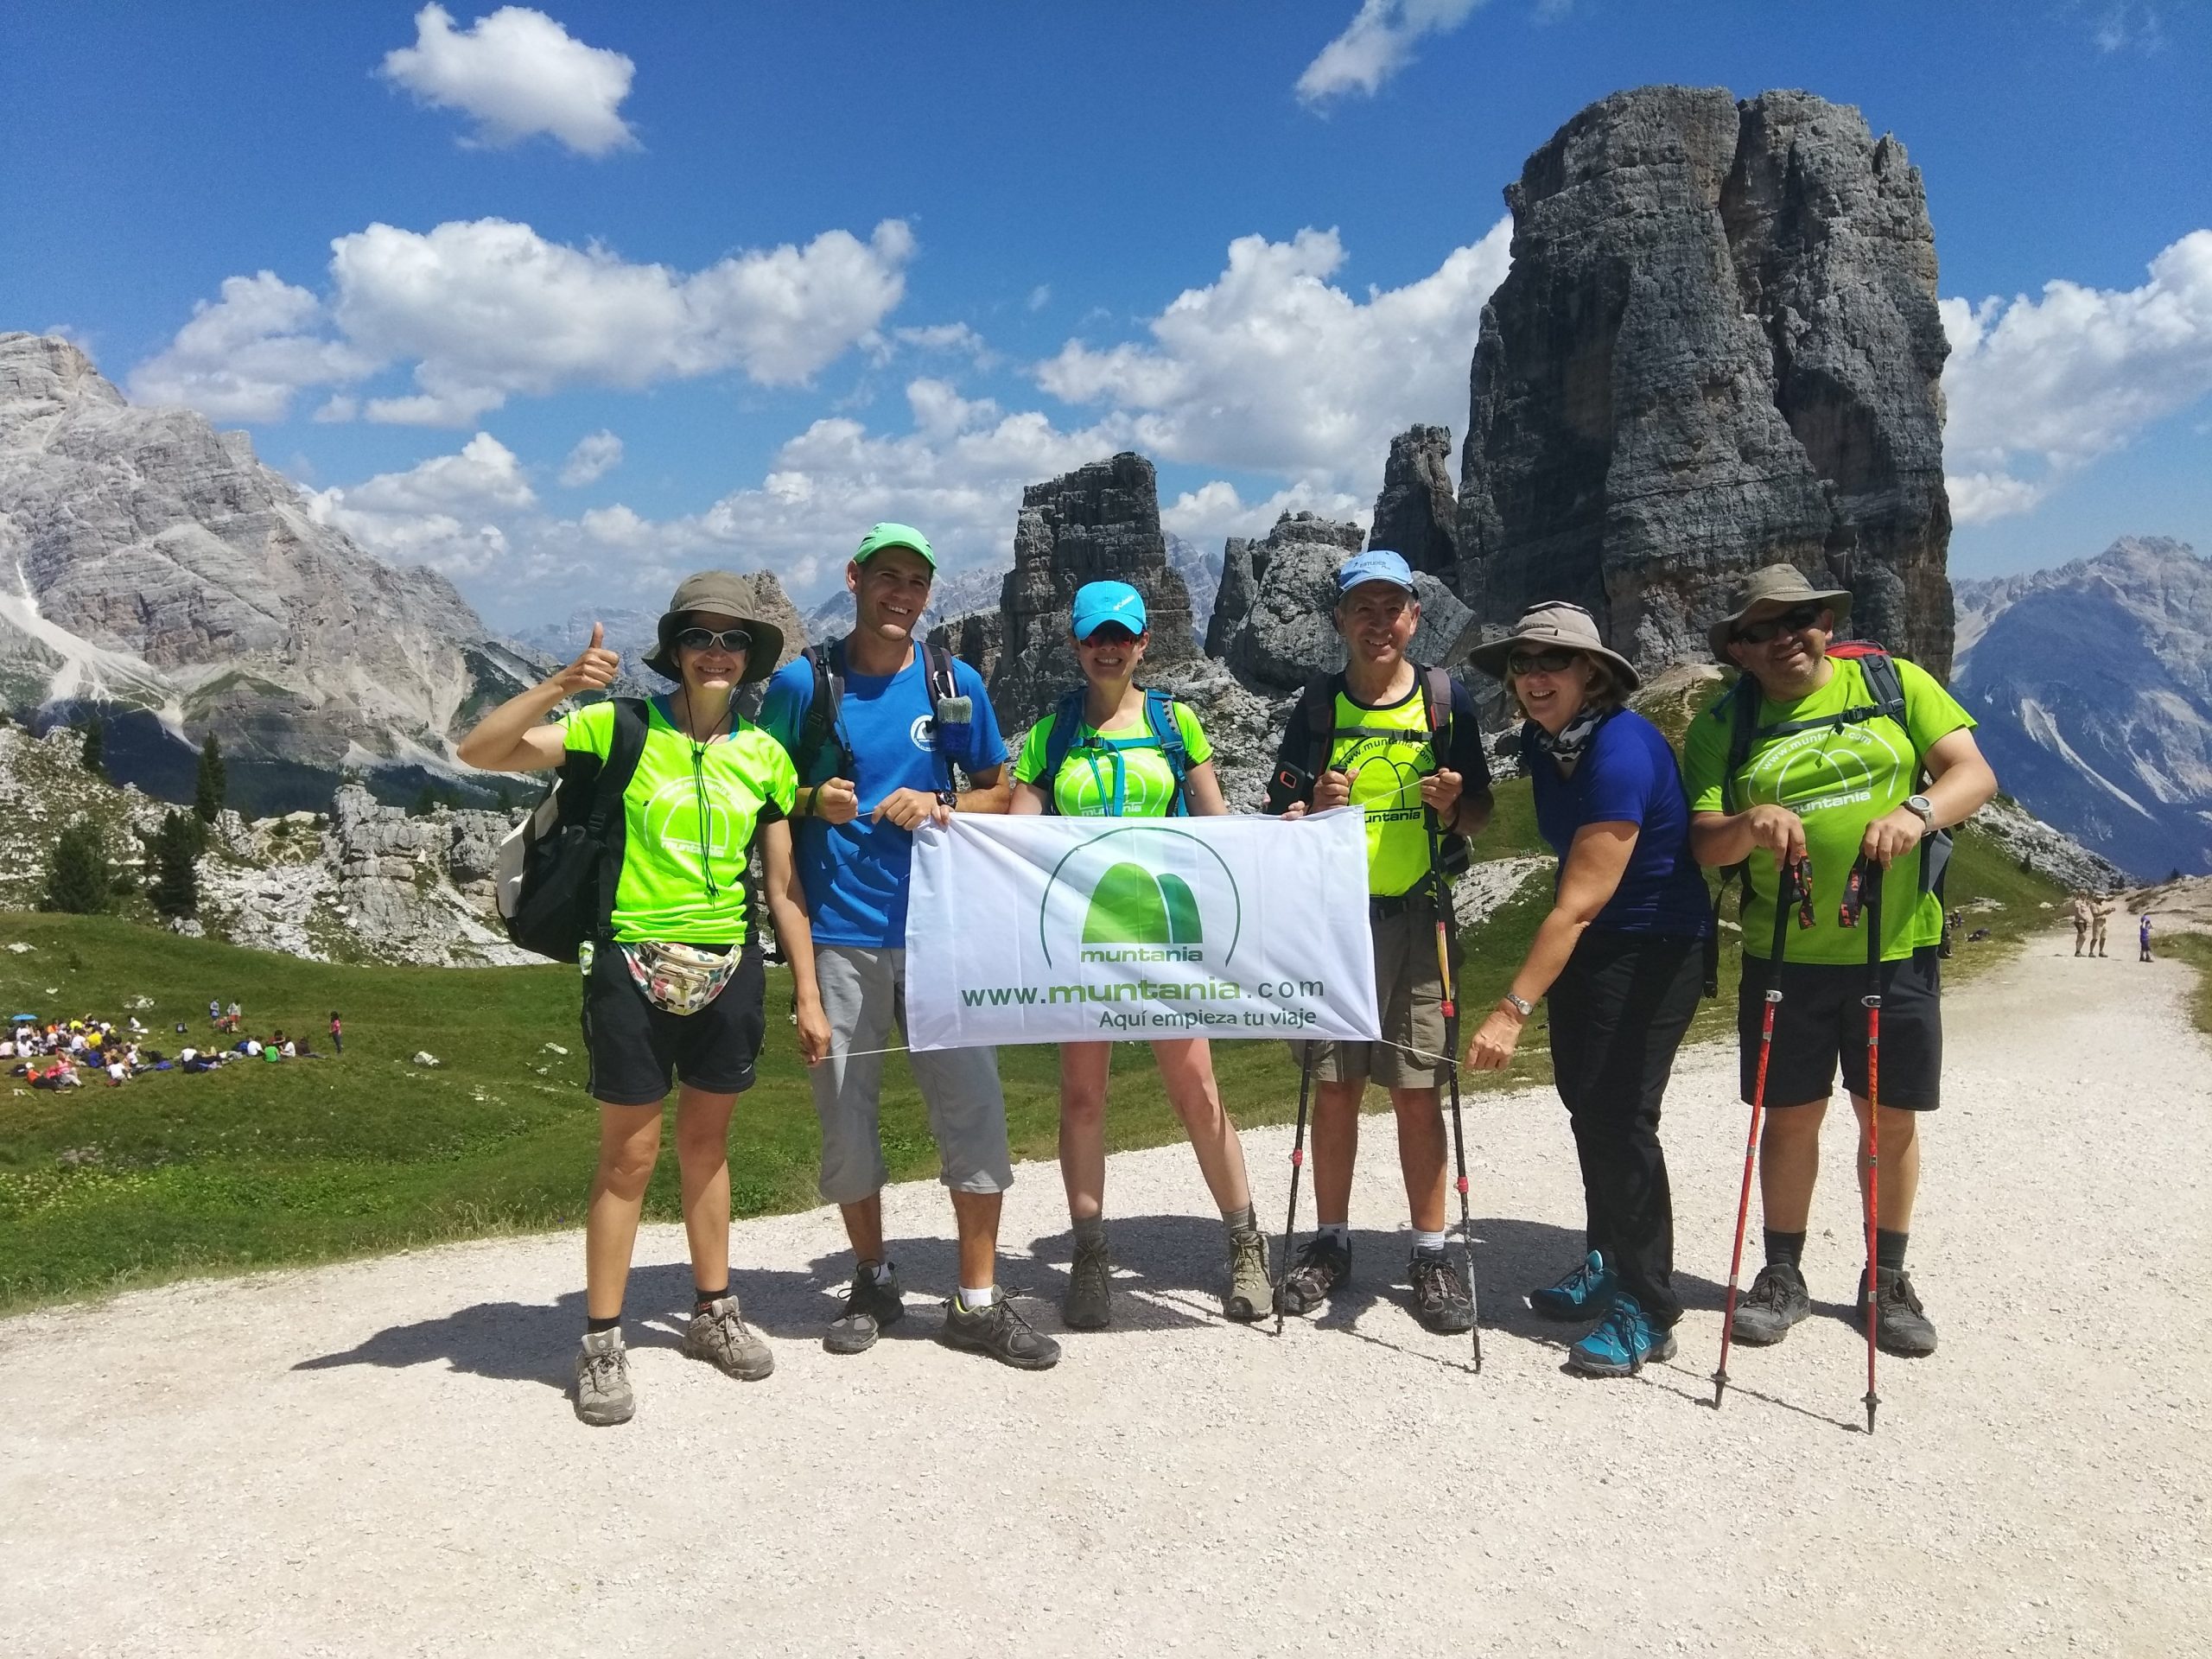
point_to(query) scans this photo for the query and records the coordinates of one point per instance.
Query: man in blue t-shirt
(869, 778)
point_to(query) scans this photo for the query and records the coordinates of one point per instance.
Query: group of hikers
(860, 742)
(62, 1054)
(2092, 912)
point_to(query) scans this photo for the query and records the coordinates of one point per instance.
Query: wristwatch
(949, 796)
(1923, 806)
(1520, 1005)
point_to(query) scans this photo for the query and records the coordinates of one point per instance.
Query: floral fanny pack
(680, 978)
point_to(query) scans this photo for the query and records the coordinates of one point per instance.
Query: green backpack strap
(1167, 732)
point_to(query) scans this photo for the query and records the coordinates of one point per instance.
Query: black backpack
(1317, 714)
(822, 727)
(557, 870)
(1738, 710)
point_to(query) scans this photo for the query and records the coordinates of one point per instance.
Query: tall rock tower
(1717, 347)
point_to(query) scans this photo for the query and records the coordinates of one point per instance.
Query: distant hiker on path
(2099, 919)
(876, 724)
(1621, 957)
(337, 1034)
(2082, 915)
(674, 985)
(1401, 741)
(1765, 794)
(2143, 939)
(1112, 749)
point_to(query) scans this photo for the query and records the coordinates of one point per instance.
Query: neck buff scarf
(1568, 749)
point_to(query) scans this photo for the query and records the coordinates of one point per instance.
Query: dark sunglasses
(733, 640)
(1554, 661)
(1796, 620)
(1112, 633)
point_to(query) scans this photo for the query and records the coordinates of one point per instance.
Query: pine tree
(77, 878)
(425, 804)
(175, 848)
(95, 741)
(208, 793)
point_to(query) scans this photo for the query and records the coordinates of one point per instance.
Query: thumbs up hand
(594, 668)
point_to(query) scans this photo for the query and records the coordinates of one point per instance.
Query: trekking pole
(1297, 1164)
(1441, 891)
(1781, 898)
(1873, 1002)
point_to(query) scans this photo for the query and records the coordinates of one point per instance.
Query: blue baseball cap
(1376, 564)
(1097, 603)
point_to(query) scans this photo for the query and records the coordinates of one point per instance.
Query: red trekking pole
(1790, 877)
(1873, 1003)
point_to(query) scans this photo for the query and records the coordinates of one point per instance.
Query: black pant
(1618, 1015)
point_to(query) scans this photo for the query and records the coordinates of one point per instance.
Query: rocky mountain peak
(1416, 514)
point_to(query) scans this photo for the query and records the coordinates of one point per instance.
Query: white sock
(974, 1301)
(883, 1272)
(1339, 1231)
(1427, 1244)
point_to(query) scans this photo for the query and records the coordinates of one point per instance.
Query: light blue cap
(1097, 603)
(1376, 564)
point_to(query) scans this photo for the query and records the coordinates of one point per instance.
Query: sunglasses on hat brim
(733, 640)
(1796, 620)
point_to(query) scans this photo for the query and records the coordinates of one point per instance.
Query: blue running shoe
(1580, 1297)
(1622, 1344)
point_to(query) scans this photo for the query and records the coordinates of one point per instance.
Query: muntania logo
(1135, 912)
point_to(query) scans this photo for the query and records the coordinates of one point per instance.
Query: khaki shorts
(1410, 995)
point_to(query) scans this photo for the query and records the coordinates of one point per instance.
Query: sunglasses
(1111, 633)
(733, 640)
(1554, 661)
(1796, 620)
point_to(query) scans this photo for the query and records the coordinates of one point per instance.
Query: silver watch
(1923, 806)
(1521, 1005)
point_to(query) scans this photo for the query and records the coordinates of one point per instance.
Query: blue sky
(568, 301)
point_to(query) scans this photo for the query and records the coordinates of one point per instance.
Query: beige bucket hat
(1771, 584)
(1555, 625)
(722, 593)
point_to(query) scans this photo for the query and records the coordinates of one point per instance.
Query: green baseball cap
(904, 535)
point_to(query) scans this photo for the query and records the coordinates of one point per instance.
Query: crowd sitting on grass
(64, 1054)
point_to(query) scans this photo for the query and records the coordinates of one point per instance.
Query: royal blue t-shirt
(855, 874)
(1627, 775)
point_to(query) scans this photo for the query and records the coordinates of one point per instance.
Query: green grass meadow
(314, 1160)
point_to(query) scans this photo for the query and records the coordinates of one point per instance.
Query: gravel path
(375, 1457)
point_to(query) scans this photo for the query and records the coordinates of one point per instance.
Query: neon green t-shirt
(682, 881)
(1085, 788)
(1385, 772)
(1838, 779)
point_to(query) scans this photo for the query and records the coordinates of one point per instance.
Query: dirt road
(376, 1457)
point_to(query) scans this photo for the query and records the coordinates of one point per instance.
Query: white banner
(1050, 929)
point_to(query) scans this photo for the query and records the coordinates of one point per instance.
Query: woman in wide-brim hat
(1620, 957)
(673, 986)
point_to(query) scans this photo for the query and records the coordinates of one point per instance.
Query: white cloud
(443, 513)
(2046, 385)
(1376, 45)
(336, 409)
(244, 357)
(1040, 297)
(488, 309)
(1274, 368)
(1214, 510)
(595, 456)
(518, 73)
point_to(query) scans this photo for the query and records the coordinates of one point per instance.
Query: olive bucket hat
(718, 593)
(1554, 626)
(1782, 584)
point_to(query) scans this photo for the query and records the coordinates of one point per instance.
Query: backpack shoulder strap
(1739, 708)
(608, 826)
(1880, 670)
(822, 708)
(1436, 708)
(1059, 742)
(1160, 715)
(937, 668)
(1317, 712)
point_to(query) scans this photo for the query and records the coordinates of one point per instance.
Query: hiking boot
(1440, 1301)
(1324, 1263)
(869, 1305)
(719, 1336)
(1901, 1325)
(1000, 1332)
(1777, 1300)
(1090, 1300)
(1580, 1296)
(602, 1388)
(1250, 1291)
(1621, 1344)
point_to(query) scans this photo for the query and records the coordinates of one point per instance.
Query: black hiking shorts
(635, 1048)
(1821, 1022)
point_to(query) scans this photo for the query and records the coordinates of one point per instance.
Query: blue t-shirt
(855, 874)
(1628, 775)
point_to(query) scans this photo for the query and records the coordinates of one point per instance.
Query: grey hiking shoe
(718, 1335)
(1901, 1325)
(1089, 1300)
(1250, 1292)
(1000, 1331)
(869, 1306)
(1323, 1264)
(1440, 1301)
(1777, 1300)
(602, 1387)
